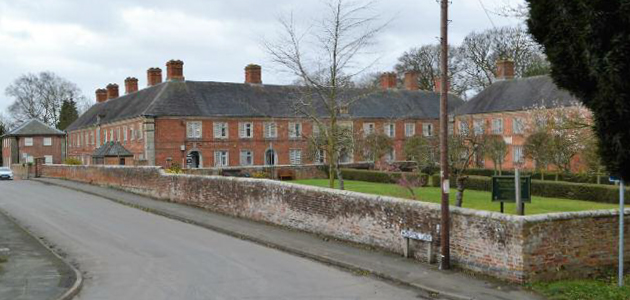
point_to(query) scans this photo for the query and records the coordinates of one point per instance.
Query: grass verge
(472, 199)
(585, 289)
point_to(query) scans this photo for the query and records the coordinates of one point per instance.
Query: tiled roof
(111, 149)
(516, 95)
(34, 127)
(218, 99)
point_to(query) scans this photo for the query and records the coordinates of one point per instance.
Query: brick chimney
(154, 76)
(175, 70)
(505, 69)
(388, 80)
(253, 74)
(101, 95)
(131, 85)
(411, 81)
(437, 84)
(112, 91)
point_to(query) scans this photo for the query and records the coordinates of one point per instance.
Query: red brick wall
(508, 134)
(519, 249)
(83, 151)
(170, 134)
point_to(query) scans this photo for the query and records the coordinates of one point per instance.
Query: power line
(485, 10)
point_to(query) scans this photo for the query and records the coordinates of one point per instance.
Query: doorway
(194, 159)
(270, 157)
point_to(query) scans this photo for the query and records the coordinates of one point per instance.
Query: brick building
(208, 124)
(504, 109)
(31, 140)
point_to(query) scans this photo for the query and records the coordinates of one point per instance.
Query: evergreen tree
(588, 45)
(68, 114)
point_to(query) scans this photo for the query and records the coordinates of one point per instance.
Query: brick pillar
(154, 76)
(411, 80)
(388, 80)
(175, 70)
(505, 69)
(101, 95)
(112, 91)
(131, 85)
(253, 74)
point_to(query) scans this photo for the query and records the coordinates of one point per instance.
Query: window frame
(427, 129)
(250, 156)
(499, 130)
(223, 130)
(270, 127)
(47, 139)
(28, 142)
(390, 129)
(295, 130)
(413, 129)
(194, 129)
(242, 130)
(295, 156)
(221, 158)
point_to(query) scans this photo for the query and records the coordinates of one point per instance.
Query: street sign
(503, 189)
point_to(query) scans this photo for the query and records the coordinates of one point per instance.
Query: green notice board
(503, 189)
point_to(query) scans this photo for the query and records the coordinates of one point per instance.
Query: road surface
(126, 253)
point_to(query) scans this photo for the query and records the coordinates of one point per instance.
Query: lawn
(472, 199)
(593, 289)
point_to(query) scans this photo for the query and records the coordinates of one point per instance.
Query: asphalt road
(126, 253)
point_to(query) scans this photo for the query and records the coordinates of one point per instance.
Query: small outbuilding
(111, 153)
(33, 139)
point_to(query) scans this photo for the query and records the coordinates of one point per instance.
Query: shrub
(72, 161)
(175, 169)
(574, 177)
(377, 176)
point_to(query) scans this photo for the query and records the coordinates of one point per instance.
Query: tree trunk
(339, 176)
(459, 197)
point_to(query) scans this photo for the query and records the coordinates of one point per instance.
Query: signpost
(504, 190)
(621, 217)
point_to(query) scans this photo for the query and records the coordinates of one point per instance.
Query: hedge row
(377, 176)
(553, 189)
(577, 178)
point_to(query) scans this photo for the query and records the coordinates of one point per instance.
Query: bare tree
(40, 96)
(481, 50)
(495, 147)
(462, 149)
(325, 59)
(375, 146)
(425, 60)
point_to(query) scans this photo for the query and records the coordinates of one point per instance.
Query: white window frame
(478, 127)
(390, 156)
(390, 129)
(427, 129)
(28, 142)
(463, 127)
(518, 126)
(221, 158)
(246, 154)
(320, 157)
(271, 130)
(125, 129)
(368, 128)
(295, 156)
(132, 132)
(140, 132)
(194, 129)
(47, 141)
(295, 130)
(243, 130)
(497, 126)
(410, 129)
(220, 130)
(48, 159)
(118, 134)
(518, 155)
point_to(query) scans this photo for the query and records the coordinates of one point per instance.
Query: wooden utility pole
(445, 261)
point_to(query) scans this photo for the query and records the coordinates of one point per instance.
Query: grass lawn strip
(472, 199)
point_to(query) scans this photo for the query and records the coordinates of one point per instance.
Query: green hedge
(553, 189)
(577, 178)
(376, 176)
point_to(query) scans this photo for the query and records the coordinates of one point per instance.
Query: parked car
(6, 173)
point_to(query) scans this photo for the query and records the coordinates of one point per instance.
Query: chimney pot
(112, 91)
(101, 95)
(388, 80)
(411, 81)
(253, 74)
(131, 85)
(154, 76)
(175, 70)
(505, 69)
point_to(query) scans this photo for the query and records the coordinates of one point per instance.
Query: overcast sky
(95, 42)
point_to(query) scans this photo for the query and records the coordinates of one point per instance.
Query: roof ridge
(155, 99)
